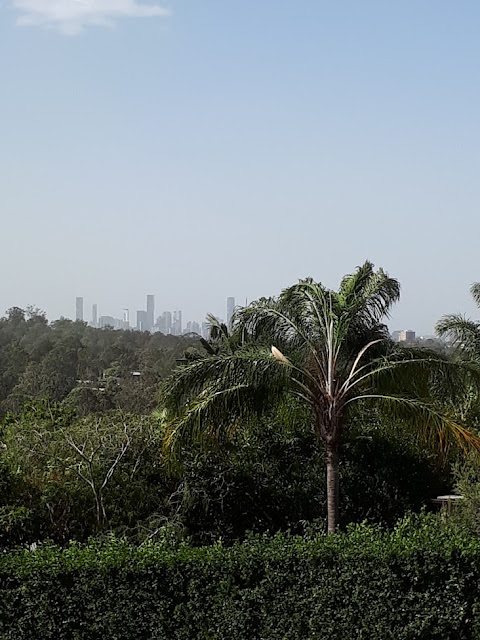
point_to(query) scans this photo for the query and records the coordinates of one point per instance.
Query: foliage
(89, 369)
(465, 513)
(271, 478)
(463, 333)
(419, 581)
(332, 351)
(79, 476)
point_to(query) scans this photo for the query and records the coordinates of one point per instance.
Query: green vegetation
(194, 500)
(87, 369)
(330, 350)
(418, 581)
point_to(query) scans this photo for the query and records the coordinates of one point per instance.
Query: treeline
(89, 370)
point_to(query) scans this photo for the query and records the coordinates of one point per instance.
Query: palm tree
(220, 339)
(330, 349)
(464, 333)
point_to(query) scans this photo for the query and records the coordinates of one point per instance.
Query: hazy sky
(206, 148)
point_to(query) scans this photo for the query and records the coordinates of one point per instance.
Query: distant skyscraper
(142, 320)
(167, 317)
(126, 319)
(94, 316)
(108, 321)
(195, 328)
(160, 324)
(407, 336)
(230, 310)
(150, 312)
(79, 309)
(168, 322)
(192, 327)
(177, 323)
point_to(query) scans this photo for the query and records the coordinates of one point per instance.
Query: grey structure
(141, 320)
(94, 316)
(79, 309)
(150, 312)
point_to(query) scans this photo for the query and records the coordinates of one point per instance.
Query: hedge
(418, 581)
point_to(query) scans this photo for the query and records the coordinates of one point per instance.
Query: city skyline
(125, 317)
(167, 322)
(171, 322)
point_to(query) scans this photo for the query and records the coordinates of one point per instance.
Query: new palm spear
(330, 349)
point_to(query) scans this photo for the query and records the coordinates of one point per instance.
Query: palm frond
(432, 424)
(418, 373)
(211, 417)
(463, 332)
(249, 366)
(368, 294)
(475, 291)
(271, 321)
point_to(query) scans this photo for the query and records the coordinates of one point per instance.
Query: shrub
(273, 480)
(418, 581)
(465, 513)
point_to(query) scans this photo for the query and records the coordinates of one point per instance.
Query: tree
(330, 349)
(53, 446)
(464, 333)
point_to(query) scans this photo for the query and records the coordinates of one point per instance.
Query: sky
(199, 149)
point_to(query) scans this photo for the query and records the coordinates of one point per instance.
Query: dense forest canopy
(91, 370)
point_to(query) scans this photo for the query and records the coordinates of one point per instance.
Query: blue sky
(204, 148)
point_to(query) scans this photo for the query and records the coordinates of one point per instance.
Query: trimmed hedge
(419, 581)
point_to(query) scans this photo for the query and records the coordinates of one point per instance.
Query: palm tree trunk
(332, 486)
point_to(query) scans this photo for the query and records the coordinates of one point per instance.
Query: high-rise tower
(79, 309)
(177, 323)
(168, 322)
(142, 320)
(94, 315)
(150, 312)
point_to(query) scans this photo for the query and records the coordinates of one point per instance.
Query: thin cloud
(72, 16)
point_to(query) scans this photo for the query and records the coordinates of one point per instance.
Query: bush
(418, 581)
(273, 480)
(64, 477)
(465, 513)
(270, 478)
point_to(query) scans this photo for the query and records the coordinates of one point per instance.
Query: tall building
(150, 312)
(164, 323)
(108, 322)
(79, 309)
(160, 324)
(177, 323)
(167, 316)
(195, 328)
(407, 336)
(94, 316)
(192, 327)
(230, 310)
(141, 320)
(126, 319)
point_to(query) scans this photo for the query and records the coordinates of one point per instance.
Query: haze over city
(202, 150)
